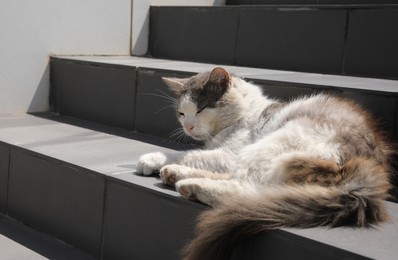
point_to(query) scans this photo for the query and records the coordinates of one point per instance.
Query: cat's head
(206, 103)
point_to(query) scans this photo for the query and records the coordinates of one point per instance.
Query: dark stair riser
(99, 93)
(324, 39)
(310, 2)
(55, 198)
(197, 34)
(271, 2)
(4, 167)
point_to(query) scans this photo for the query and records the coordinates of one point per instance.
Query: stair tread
(98, 152)
(116, 157)
(281, 76)
(376, 243)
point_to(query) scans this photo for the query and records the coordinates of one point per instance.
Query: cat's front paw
(207, 191)
(172, 173)
(151, 162)
(187, 189)
(168, 174)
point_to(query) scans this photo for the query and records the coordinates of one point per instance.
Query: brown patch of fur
(327, 173)
(313, 171)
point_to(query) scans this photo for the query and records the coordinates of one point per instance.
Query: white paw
(151, 162)
(187, 188)
(172, 173)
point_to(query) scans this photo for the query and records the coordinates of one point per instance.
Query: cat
(314, 161)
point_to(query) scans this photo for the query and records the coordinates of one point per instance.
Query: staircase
(70, 172)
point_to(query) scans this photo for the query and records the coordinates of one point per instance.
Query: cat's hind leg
(209, 191)
(172, 173)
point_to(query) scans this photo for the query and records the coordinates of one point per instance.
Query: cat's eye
(200, 110)
(181, 114)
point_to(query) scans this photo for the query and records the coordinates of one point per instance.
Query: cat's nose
(189, 128)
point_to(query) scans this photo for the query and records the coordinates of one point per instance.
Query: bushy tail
(357, 200)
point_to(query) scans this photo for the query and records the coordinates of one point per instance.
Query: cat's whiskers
(164, 108)
(174, 133)
(165, 96)
(178, 135)
(172, 99)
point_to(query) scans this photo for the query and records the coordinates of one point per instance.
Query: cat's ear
(175, 84)
(219, 76)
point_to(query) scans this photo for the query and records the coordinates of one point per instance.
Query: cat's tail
(356, 200)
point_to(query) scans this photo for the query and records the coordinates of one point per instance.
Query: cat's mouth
(197, 137)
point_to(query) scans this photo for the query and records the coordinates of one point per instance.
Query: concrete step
(79, 186)
(321, 38)
(128, 92)
(63, 177)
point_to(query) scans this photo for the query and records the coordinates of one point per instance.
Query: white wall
(30, 30)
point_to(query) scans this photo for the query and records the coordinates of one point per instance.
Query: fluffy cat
(314, 161)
